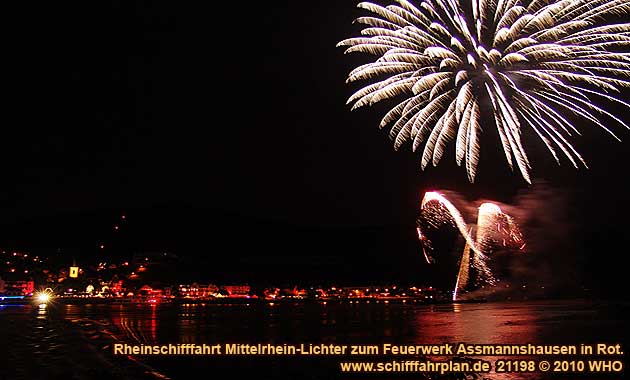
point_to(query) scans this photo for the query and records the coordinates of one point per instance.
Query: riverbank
(233, 301)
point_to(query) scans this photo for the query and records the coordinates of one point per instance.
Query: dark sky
(222, 131)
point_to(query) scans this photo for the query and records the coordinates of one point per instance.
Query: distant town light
(43, 297)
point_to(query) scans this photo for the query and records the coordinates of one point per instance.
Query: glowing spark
(520, 63)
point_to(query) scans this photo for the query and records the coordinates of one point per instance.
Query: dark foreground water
(75, 342)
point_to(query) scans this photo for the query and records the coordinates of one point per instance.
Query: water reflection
(40, 335)
(41, 311)
(476, 323)
(483, 323)
(334, 322)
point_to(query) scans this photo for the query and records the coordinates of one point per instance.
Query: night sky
(222, 133)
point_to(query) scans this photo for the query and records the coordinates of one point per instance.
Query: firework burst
(495, 231)
(523, 64)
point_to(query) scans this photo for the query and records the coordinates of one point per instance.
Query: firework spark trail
(532, 62)
(486, 220)
(462, 275)
(460, 224)
(479, 261)
(493, 228)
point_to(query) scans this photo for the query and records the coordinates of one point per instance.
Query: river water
(76, 342)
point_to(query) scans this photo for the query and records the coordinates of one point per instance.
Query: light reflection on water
(486, 323)
(342, 323)
(489, 323)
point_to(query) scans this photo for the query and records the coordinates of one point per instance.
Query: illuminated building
(74, 270)
(237, 290)
(116, 287)
(195, 290)
(271, 293)
(20, 288)
(147, 291)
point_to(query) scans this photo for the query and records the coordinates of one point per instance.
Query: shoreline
(239, 301)
(285, 301)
